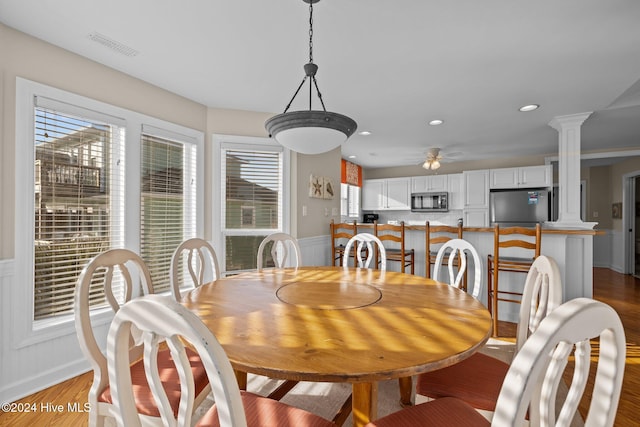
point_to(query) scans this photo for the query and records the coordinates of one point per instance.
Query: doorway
(631, 222)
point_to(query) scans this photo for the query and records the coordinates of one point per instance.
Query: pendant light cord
(311, 33)
(310, 70)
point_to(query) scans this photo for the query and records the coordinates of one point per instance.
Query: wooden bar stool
(395, 233)
(525, 241)
(340, 235)
(435, 236)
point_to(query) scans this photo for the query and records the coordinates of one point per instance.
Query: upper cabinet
(456, 191)
(524, 177)
(476, 189)
(430, 183)
(386, 194)
(476, 198)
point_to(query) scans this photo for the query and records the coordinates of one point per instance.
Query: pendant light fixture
(310, 131)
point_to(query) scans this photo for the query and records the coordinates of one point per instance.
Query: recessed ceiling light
(436, 122)
(364, 133)
(529, 107)
(352, 156)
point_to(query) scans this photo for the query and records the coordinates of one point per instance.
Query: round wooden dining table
(335, 324)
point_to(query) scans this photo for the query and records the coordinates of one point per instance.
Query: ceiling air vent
(113, 45)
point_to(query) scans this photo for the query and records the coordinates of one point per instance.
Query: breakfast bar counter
(571, 248)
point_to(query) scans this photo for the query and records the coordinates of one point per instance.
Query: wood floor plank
(620, 291)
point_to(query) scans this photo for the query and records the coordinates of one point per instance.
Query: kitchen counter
(571, 248)
(545, 230)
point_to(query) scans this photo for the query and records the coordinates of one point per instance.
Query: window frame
(28, 331)
(222, 142)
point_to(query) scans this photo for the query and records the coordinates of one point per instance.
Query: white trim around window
(223, 142)
(26, 331)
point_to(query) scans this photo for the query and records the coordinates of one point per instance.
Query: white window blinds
(252, 203)
(77, 200)
(168, 214)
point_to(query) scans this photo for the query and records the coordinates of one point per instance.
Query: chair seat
(508, 259)
(444, 412)
(397, 254)
(397, 251)
(145, 402)
(476, 380)
(511, 264)
(261, 411)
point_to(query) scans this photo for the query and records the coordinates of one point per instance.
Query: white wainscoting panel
(31, 368)
(602, 249)
(617, 251)
(315, 250)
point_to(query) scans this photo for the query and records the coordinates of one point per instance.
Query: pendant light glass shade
(310, 131)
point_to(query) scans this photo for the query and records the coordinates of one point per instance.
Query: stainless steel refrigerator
(524, 207)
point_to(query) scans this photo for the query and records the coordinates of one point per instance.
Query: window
(349, 201)
(75, 189)
(72, 202)
(351, 182)
(167, 211)
(252, 199)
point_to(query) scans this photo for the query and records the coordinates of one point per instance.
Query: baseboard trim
(18, 390)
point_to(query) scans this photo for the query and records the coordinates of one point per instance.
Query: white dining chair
(529, 392)
(477, 379)
(159, 320)
(455, 253)
(197, 257)
(118, 275)
(368, 244)
(282, 245)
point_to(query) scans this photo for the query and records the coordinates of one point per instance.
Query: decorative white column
(568, 128)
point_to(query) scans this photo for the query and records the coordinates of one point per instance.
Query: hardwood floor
(56, 406)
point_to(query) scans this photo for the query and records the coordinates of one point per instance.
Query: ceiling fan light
(435, 164)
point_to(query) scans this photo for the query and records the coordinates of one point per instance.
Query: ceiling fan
(433, 159)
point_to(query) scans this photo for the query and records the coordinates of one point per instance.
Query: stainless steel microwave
(430, 202)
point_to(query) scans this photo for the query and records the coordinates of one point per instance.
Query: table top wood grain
(340, 325)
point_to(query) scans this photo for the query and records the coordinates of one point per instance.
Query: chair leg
(343, 413)
(495, 305)
(490, 298)
(282, 390)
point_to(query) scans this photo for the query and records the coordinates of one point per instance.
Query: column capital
(560, 122)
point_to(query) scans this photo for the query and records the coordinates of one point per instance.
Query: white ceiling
(390, 65)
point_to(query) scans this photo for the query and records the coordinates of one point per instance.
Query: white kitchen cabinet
(429, 183)
(475, 218)
(456, 191)
(476, 189)
(523, 177)
(386, 194)
(476, 198)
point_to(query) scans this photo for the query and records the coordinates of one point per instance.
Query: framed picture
(616, 210)
(316, 186)
(329, 189)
